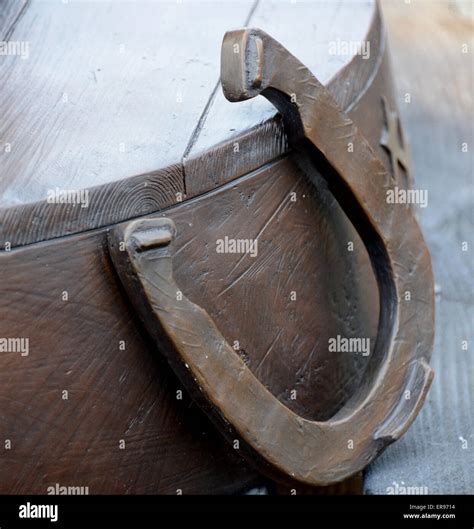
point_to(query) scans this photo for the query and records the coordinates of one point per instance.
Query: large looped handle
(314, 452)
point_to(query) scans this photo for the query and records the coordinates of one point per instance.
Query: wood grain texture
(10, 14)
(107, 204)
(41, 221)
(110, 90)
(127, 96)
(320, 24)
(426, 40)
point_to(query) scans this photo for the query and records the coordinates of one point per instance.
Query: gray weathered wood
(110, 90)
(353, 87)
(307, 30)
(130, 96)
(426, 41)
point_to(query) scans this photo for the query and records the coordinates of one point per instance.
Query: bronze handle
(313, 452)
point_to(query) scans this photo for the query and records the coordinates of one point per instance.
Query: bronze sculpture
(122, 407)
(317, 453)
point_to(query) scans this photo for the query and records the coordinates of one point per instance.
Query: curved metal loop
(314, 452)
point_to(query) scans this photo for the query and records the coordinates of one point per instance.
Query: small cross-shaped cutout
(393, 142)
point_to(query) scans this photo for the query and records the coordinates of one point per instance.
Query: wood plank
(137, 93)
(426, 42)
(319, 25)
(10, 14)
(110, 90)
(100, 206)
(210, 169)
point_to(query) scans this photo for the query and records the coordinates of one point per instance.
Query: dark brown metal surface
(314, 452)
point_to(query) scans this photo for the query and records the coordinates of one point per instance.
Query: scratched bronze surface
(122, 428)
(327, 143)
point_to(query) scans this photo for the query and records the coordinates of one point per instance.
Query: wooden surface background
(116, 89)
(426, 41)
